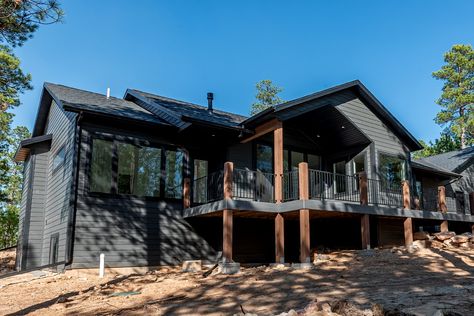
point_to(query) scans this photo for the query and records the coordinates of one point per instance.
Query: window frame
(404, 162)
(116, 139)
(55, 155)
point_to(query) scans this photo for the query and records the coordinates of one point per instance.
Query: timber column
(228, 266)
(364, 220)
(304, 213)
(408, 222)
(278, 169)
(442, 207)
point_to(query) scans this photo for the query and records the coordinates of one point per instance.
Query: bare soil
(7, 260)
(396, 281)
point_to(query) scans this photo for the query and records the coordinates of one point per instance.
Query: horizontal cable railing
(208, 188)
(381, 192)
(290, 186)
(253, 185)
(333, 186)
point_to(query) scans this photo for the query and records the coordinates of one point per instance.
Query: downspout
(74, 188)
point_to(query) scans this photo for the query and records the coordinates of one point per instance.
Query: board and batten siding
(384, 140)
(130, 231)
(61, 125)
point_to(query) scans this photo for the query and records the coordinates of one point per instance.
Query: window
(264, 158)
(200, 186)
(101, 166)
(130, 169)
(391, 169)
(139, 170)
(58, 159)
(296, 158)
(314, 162)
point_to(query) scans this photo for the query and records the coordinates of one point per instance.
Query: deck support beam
(227, 236)
(408, 222)
(186, 193)
(228, 223)
(444, 226)
(279, 239)
(471, 202)
(365, 231)
(305, 251)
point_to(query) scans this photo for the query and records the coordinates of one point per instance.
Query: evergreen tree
(267, 96)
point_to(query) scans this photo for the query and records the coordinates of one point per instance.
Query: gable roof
(374, 104)
(454, 161)
(426, 166)
(78, 99)
(185, 111)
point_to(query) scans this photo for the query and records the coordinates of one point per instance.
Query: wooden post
(365, 231)
(363, 186)
(228, 179)
(444, 226)
(227, 236)
(442, 199)
(471, 202)
(406, 195)
(279, 239)
(186, 192)
(408, 229)
(305, 251)
(227, 215)
(278, 162)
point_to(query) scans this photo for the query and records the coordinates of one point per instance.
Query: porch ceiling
(328, 130)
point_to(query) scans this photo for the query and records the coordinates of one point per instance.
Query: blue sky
(183, 49)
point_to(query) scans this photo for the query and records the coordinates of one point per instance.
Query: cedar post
(406, 195)
(186, 192)
(364, 195)
(408, 230)
(442, 199)
(227, 215)
(444, 226)
(279, 239)
(278, 162)
(365, 231)
(304, 213)
(471, 202)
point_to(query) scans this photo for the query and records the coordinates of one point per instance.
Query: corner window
(264, 158)
(101, 166)
(59, 157)
(391, 169)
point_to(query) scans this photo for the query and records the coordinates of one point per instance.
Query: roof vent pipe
(210, 97)
(108, 93)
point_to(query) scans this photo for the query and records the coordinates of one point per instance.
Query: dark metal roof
(185, 110)
(362, 91)
(453, 161)
(23, 149)
(426, 166)
(95, 102)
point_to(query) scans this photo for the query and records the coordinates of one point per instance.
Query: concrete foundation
(229, 267)
(303, 265)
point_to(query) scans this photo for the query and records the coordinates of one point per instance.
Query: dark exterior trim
(23, 149)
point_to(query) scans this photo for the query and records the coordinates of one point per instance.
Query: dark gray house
(148, 180)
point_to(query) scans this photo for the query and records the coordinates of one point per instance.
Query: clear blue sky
(183, 49)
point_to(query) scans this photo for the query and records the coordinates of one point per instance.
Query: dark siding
(131, 231)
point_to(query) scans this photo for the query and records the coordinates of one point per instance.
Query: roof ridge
(82, 90)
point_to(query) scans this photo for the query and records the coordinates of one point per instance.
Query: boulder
(422, 244)
(459, 239)
(444, 235)
(421, 235)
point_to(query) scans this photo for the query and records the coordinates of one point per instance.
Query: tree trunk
(463, 129)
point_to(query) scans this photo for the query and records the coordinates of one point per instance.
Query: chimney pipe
(108, 93)
(210, 97)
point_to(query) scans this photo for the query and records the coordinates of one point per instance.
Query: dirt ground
(7, 260)
(402, 282)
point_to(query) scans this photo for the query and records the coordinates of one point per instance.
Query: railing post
(471, 202)
(304, 213)
(278, 162)
(406, 195)
(363, 186)
(227, 215)
(186, 192)
(442, 199)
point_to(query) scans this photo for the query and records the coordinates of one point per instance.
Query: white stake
(101, 265)
(108, 93)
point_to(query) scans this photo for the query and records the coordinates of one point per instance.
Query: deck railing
(208, 188)
(253, 185)
(290, 186)
(381, 192)
(325, 185)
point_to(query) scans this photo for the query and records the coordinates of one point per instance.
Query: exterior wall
(241, 155)
(22, 229)
(130, 231)
(62, 126)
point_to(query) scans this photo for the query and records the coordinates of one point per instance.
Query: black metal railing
(429, 200)
(382, 192)
(455, 202)
(332, 186)
(208, 188)
(290, 186)
(253, 185)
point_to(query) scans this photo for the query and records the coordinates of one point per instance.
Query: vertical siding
(62, 126)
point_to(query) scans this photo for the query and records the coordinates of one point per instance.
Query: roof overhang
(23, 150)
(432, 169)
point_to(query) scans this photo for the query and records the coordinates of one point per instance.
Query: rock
(377, 310)
(444, 235)
(459, 239)
(192, 266)
(465, 245)
(422, 244)
(421, 235)
(325, 307)
(292, 312)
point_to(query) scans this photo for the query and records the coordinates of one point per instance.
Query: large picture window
(131, 169)
(391, 169)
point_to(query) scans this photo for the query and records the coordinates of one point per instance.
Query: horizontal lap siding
(131, 232)
(62, 125)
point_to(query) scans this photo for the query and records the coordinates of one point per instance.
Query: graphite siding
(61, 125)
(23, 211)
(130, 231)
